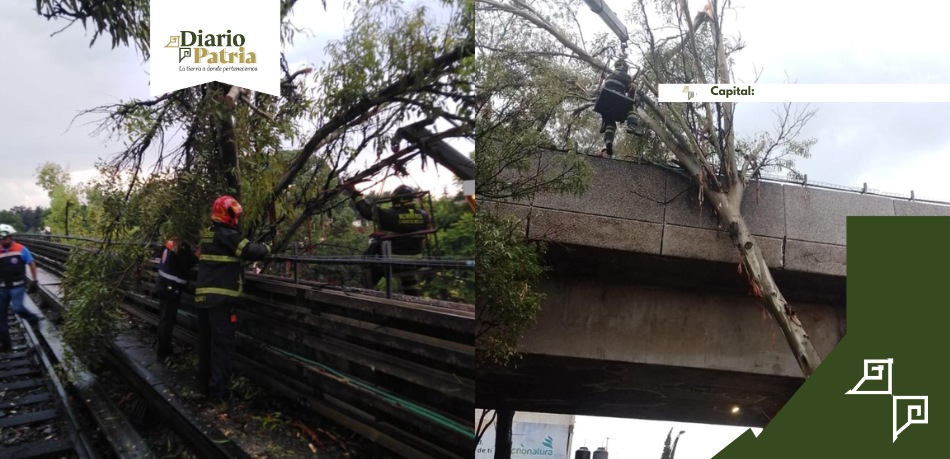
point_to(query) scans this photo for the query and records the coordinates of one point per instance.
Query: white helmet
(6, 230)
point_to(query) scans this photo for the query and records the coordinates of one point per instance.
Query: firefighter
(220, 283)
(402, 218)
(13, 282)
(173, 274)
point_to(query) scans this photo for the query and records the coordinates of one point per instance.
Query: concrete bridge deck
(646, 315)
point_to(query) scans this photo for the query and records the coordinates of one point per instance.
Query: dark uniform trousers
(410, 283)
(169, 301)
(399, 219)
(217, 295)
(215, 347)
(172, 274)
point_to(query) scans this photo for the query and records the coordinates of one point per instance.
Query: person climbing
(400, 220)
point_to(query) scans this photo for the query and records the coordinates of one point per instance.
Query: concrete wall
(647, 209)
(623, 323)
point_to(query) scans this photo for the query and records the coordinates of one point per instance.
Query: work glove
(32, 288)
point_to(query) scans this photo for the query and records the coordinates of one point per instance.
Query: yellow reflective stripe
(241, 246)
(217, 291)
(221, 258)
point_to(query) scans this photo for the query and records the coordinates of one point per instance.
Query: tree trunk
(761, 281)
(503, 422)
(692, 157)
(224, 131)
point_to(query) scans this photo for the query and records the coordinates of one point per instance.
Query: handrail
(364, 260)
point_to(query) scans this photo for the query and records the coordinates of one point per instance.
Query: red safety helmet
(226, 210)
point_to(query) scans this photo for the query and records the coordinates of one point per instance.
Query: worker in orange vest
(14, 259)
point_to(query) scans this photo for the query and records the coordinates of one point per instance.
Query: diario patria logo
(689, 94)
(717, 91)
(917, 408)
(700, 93)
(202, 44)
(193, 42)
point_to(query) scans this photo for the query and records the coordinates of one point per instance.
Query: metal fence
(388, 262)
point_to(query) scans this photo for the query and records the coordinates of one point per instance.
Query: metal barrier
(387, 260)
(400, 373)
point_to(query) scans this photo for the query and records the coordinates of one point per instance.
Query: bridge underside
(651, 337)
(570, 385)
(568, 261)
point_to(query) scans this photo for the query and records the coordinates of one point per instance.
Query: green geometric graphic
(898, 312)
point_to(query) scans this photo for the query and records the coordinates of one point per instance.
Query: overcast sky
(893, 147)
(635, 439)
(46, 81)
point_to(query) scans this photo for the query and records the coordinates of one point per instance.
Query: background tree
(68, 207)
(12, 219)
(32, 216)
(527, 103)
(669, 451)
(688, 45)
(396, 64)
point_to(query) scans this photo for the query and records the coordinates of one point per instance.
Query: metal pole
(387, 253)
(67, 217)
(294, 266)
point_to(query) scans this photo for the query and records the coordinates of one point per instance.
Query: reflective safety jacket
(402, 219)
(175, 266)
(220, 272)
(12, 267)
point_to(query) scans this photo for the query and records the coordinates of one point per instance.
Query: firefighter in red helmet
(220, 284)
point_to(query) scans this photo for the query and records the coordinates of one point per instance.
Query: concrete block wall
(647, 209)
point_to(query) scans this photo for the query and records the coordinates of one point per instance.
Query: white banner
(197, 41)
(804, 93)
(528, 441)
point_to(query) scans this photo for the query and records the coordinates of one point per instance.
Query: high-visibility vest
(220, 273)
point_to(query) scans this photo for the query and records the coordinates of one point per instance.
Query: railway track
(36, 418)
(398, 373)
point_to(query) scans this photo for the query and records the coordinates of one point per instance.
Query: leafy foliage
(699, 139)
(507, 295)
(530, 136)
(95, 297)
(126, 22)
(456, 238)
(32, 217)
(68, 203)
(12, 219)
(395, 64)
